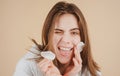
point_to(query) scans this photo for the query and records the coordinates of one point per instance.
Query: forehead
(66, 21)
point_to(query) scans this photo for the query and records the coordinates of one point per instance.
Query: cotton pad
(80, 46)
(48, 55)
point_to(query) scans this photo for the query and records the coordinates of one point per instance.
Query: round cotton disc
(48, 55)
(80, 46)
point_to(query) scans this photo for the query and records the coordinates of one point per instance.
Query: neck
(63, 67)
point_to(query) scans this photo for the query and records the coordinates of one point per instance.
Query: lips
(65, 51)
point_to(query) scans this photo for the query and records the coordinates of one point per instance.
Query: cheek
(76, 40)
(56, 40)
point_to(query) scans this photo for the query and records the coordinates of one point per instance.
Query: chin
(64, 61)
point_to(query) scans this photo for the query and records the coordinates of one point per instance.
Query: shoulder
(24, 67)
(27, 66)
(28, 60)
(87, 73)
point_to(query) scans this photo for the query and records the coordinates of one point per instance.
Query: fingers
(76, 50)
(44, 64)
(48, 68)
(75, 62)
(77, 66)
(48, 72)
(77, 55)
(52, 70)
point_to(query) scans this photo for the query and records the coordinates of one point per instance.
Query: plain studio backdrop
(23, 19)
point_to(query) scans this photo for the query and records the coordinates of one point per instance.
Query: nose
(66, 38)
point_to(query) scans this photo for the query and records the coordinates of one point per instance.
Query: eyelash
(57, 31)
(74, 33)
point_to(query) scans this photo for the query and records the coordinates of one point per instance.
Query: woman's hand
(48, 68)
(73, 69)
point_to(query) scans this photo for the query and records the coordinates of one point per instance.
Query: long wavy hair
(59, 9)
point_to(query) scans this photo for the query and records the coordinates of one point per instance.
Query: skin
(66, 36)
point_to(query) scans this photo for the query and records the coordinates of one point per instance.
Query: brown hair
(47, 31)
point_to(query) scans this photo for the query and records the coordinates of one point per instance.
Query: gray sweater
(28, 67)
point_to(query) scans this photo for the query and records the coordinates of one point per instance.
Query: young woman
(63, 29)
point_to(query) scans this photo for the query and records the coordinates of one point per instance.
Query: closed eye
(58, 31)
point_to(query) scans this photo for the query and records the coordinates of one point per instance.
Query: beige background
(23, 19)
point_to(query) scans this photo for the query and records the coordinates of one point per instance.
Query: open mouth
(65, 51)
(65, 48)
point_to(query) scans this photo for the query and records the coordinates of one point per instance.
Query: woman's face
(65, 37)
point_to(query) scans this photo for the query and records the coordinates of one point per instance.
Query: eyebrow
(58, 29)
(70, 29)
(74, 29)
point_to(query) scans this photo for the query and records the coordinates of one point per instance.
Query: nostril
(65, 42)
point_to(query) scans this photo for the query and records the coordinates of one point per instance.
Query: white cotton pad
(48, 55)
(80, 46)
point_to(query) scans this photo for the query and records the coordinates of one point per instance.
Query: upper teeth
(66, 49)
